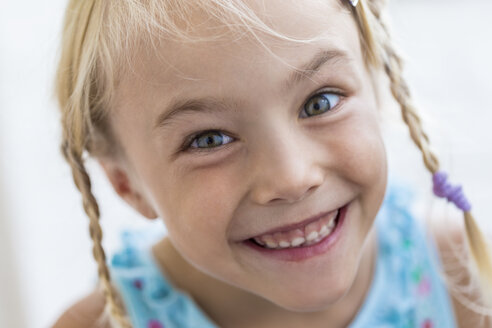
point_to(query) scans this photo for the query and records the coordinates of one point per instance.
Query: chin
(317, 299)
(303, 304)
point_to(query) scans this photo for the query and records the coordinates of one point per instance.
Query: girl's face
(228, 141)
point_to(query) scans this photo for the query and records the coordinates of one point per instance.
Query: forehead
(226, 57)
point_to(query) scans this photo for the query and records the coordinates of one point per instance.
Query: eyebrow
(309, 69)
(209, 104)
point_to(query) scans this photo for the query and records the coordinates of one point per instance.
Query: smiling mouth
(309, 235)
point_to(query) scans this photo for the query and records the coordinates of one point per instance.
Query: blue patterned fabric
(407, 290)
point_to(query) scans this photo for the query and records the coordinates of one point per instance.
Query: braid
(401, 92)
(393, 66)
(91, 208)
(79, 104)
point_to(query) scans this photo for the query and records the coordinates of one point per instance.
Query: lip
(298, 254)
(294, 226)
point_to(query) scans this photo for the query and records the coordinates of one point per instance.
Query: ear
(120, 179)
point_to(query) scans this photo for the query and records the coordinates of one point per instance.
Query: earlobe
(144, 208)
(120, 180)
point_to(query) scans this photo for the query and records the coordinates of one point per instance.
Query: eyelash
(186, 147)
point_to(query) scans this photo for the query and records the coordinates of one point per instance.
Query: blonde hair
(99, 40)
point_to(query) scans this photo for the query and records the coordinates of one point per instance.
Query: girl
(252, 129)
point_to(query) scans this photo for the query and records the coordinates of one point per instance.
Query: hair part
(99, 42)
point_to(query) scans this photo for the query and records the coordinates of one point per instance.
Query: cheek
(360, 148)
(197, 209)
(367, 163)
(199, 205)
(359, 156)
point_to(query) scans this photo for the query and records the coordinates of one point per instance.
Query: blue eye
(320, 104)
(210, 139)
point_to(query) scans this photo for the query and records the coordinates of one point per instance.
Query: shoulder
(87, 312)
(450, 238)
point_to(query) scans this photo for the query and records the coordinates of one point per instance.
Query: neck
(229, 306)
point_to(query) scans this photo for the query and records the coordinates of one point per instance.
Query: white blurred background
(45, 251)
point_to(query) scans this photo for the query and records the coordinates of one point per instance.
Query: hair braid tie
(453, 194)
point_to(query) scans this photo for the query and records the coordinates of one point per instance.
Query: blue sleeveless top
(407, 290)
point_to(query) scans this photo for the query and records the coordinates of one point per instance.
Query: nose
(287, 169)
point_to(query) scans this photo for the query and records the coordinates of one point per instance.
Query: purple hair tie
(453, 194)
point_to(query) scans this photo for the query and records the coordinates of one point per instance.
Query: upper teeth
(310, 234)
